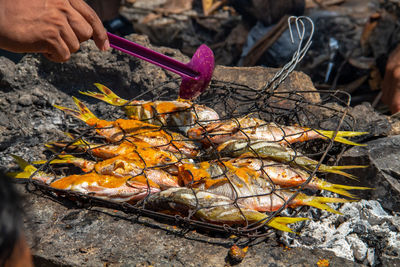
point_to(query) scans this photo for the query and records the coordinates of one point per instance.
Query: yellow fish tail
(83, 113)
(340, 136)
(106, 95)
(281, 223)
(320, 202)
(338, 170)
(27, 169)
(340, 189)
(60, 160)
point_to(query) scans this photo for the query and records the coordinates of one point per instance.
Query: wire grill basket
(226, 179)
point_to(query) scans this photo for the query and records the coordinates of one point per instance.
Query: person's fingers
(57, 50)
(99, 32)
(395, 107)
(48, 56)
(391, 84)
(80, 26)
(70, 39)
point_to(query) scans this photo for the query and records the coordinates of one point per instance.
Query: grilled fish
(134, 130)
(176, 115)
(111, 188)
(277, 152)
(254, 129)
(247, 187)
(213, 208)
(130, 165)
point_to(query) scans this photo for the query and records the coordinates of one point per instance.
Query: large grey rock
(7, 68)
(382, 156)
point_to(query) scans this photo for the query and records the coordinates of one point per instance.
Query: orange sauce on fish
(149, 106)
(135, 126)
(90, 178)
(154, 157)
(200, 173)
(98, 123)
(242, 172)
(211, 182)
(167, 107)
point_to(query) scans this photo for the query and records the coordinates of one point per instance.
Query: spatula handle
(151, 56)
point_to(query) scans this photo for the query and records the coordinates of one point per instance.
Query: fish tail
(281, 223)
(54, 146)
(340, 136)
(319, 202)
(78, 146)
(85, 165)
(338, 170)
(60, 160)
(27, 169)
(106, 95)
(79, 142)
(83, 113)
(340, 189)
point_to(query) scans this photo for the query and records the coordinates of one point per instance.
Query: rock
(382, 157)
(374, 214)
(25, 100)
(7, 69)
(371, 257)
(296, 81)
(359, 248)
(37, 92)
(369, 120)
(392, 250)
(361, 118)
(277, 103)
(340, 234)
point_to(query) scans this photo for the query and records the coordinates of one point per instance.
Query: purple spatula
(196, 74)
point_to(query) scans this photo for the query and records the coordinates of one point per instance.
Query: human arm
(391, 82)
(52, 27)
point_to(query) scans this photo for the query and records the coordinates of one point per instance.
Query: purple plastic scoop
(196, 74)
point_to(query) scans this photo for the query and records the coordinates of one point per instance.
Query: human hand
(391, 82)
(52, 27)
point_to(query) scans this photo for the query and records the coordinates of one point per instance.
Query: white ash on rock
(368, 232)
(365, 233)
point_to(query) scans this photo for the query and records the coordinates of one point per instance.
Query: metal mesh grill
(225, 179)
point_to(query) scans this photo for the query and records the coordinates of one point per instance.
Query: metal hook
(299, 24)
